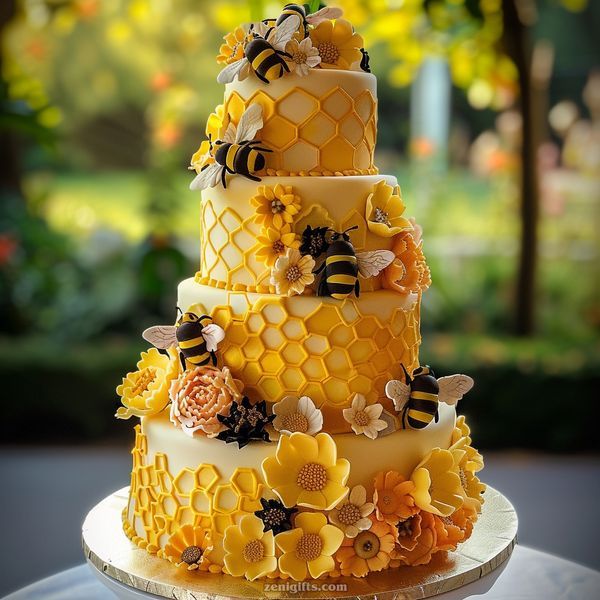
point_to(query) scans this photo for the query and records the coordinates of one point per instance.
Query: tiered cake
(287, 429)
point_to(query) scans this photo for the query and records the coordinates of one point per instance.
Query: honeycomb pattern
(160, 503)
(332, 133)
(326, 349)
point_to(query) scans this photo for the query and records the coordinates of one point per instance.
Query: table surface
(528, 574)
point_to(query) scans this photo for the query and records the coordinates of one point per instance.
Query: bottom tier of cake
(382, 503)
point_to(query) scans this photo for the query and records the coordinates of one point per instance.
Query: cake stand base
(112, 554)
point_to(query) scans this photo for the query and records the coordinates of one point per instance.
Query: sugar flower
(146, 391)
(215, 126)
(416, 540)
(187, 548)
(392, 497)
(364, 419)
(275, 242)
(337, 43)
(249, 551)
(297, 414)
(233, 48)
(309, 547)
(368, 551)
(292, 273)
(303, 56)
(275, 516)
(276, 206)
(461, 438)
(437, 486)
(448, 534)
(384, 209)
(351, 516)
(306, 471)
(408, 272)
(199, 395)
(471, 487)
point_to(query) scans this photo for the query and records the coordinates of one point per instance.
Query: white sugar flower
(304, 56)
(364, 419)
(292, 273)
(351, 515)
(297, 414)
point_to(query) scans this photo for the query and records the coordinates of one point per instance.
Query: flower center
(388, 502)
(366, 545)
(361, 418)
(463, 478)
(274, 517)
(191, 555)
(235, 52)
(405, 528)
(328, 52)
(348, 514)
(312, 477)
(309, 547)
(299, 58)
(277, 206)
(382, 217)
(293, 273)
(253, 551)
(278, 247)
(143, 381)
(295, 422)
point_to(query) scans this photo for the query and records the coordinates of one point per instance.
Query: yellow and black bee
(195, 335)
(417, 398)
(298, 13)
(342, 266)
(236, 153)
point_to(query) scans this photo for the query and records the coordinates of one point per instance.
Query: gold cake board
(111, 553)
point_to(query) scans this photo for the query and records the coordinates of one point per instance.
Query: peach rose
(199, 395)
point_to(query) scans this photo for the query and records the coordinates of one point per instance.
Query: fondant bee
(297, 12)
(342, 266)
(236, 153)
(365, 61)
(417, 398)
(195, 335)
(264, 54)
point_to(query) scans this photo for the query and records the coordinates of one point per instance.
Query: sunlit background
(489, 117)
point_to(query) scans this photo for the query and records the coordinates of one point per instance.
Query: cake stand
(132, 573)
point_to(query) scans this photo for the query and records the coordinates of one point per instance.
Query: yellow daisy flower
(275, 242)
(187, 548)
(146, 391)
(249, 551)
(276, 207)
(306, 471)
(233, 48)
(437, 483)
(338, 45)
(309, 547)
(384, 210)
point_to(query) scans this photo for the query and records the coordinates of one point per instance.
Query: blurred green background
(489, 117)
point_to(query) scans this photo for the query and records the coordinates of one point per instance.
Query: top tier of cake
(324, 123)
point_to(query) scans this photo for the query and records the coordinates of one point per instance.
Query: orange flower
(448, 534)
(409, 272)
(392, 498)
(368, 551)
(233, 48)
(199, 395)
(416, 540)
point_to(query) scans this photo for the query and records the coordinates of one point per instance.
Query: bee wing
(250, 123)
(372, 263)
(208, 177)
(229, 73)
(161, 336)
(329, 12)
(398, 392)
(230, 134)
(282, 34)
(454, 387)
(213, 334)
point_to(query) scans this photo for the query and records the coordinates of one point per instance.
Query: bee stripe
(261, 57)
(273, 72)
(342, 278)
(185, 344)
(427, 406)
(415, 424)
(231, 154)
(198, 358)
(341, 258)
(337, 296)
(418, 395)
(251, 160)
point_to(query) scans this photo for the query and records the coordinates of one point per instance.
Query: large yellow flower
(471, 487)
(384, 209)
(309, 547)
(215, 129)
(277, 206)
(437, 483)
(305, 471)
(338, 45)
(187, 548)
(146, 391)
(249, 551)
(275, 242)
(233, 48)
(461, 438)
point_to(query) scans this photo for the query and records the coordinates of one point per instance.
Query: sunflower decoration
(292, 273)
(275, 243)
(384, 210)
(276, 206)
(245, 422)
(146, 391)
(306, 471)
(233, 49)
(249, 551)
(275, 516)
(187, 547)
(369, 551)
(309, 547)
(338, 44)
